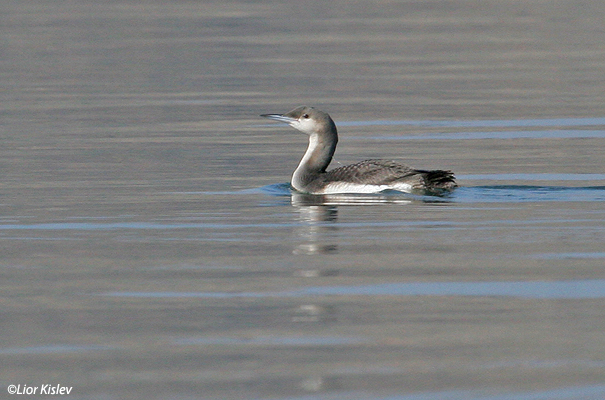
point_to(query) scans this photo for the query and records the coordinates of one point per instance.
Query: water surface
(152, 247)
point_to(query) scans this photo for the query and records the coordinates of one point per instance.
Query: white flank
(345, 187)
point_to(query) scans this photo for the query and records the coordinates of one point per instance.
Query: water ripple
(571, 289)
(504, 123)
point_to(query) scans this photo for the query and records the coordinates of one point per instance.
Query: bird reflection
(307, 200)
(319, 214)
(318, 230)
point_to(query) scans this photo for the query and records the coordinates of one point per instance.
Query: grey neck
(316, 159)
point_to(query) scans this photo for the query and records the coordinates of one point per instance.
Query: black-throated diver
(369, 176)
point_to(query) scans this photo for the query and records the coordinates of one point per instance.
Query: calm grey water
(151, 246)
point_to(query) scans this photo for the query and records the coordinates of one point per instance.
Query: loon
(369, 176)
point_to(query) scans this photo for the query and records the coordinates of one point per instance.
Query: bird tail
(439, 180)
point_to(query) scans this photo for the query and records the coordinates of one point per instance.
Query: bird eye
(305, 116)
